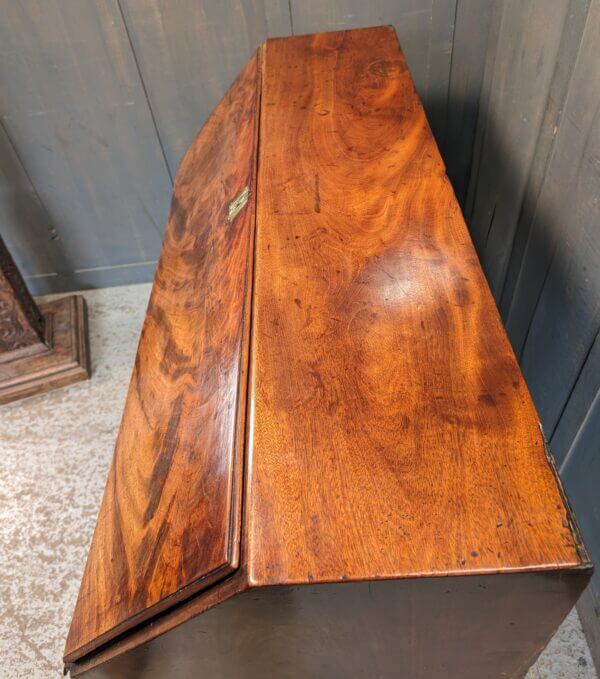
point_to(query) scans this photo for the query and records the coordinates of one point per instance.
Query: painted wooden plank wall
(190, 51)
(533, 207)
(471, 39)
(514, 112)
(21, 207)
(75, 110)
(99, 100)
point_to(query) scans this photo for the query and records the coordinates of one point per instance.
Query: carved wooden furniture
(329, 464)
(40, 348)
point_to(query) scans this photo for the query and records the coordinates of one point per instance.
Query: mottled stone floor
(54, 455)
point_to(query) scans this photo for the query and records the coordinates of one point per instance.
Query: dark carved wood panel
(40, 348)
(169, 521)
(21, 323)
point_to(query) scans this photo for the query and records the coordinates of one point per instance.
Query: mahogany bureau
(329, 464)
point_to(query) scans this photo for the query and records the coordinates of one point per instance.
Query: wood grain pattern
(425, 29)
(170, 515)
(95, 92)
(389, 435)
(160, 625)
(392, 434)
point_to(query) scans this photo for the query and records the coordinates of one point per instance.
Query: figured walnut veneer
(324, 393)
(170, 518)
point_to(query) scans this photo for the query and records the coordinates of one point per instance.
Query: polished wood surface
(169, 523)
(392, 432)
(389, 433)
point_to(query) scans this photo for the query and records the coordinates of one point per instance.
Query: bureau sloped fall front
(329, 464)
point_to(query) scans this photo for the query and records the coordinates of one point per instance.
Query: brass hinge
(236, 205)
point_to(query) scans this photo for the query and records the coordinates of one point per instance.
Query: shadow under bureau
(329, 464)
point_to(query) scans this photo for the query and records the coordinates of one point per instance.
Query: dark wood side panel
(480, 627)
(162, 623)
(169, 523)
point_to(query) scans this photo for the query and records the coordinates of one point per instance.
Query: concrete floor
(54, 455)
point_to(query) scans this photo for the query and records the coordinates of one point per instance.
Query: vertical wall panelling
(581, 475)
(535, 197)
(24, 222)
(589, 612)
(579, 403)
(73, 104)
(483, 111)
(471, 31)
(190, 51)
(519, 90)
(567, 316)
(517, 304)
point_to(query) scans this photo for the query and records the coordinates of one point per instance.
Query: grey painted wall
(100, 99)
(533, 206)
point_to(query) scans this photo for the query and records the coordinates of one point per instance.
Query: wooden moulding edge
(162, 622)
(586, 562)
